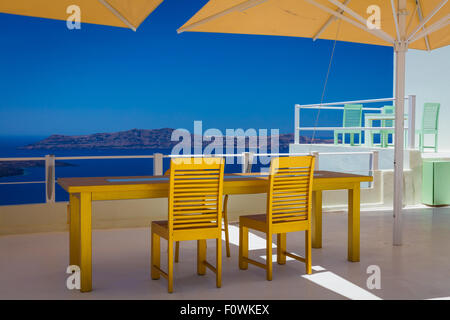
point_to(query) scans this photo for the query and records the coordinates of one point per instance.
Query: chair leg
(155, 256)
(336, 138)
(421, 142)
(177, 251)
(435, 142)
(269, 256)
(243, 247)
(281, 248)
(219, 262)
(170, 265)
(308, 251)
(201, 257)
(227, 235)
(352, 139)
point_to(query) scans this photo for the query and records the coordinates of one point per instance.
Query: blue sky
(104, 79)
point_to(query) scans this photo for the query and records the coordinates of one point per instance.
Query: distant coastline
(137, 139)
(17, 168)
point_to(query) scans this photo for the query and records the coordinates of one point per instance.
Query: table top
(80, 184)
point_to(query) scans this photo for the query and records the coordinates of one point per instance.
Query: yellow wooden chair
(195, 202)
(225, 228)
(288, 210)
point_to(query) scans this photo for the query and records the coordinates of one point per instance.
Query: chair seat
(254, 221)
(190, 233)
(258, 217)
(161, 228)
(162, 223)
(258, 222)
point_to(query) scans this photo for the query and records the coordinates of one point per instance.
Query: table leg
(353, 223)
(317, 219)
(86, 241)
(74, 230)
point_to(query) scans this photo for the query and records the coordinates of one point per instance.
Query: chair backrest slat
(430, 118)
(290, 189)
(388, 110)
(352, 115)
(195, 193)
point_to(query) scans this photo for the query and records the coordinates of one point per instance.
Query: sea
(11, 194)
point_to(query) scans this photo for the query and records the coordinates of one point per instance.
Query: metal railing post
(297, 124)
(251, 157)
(247, 161)
(50, 178)
(157, 164)
(243, 162)
(373, 164)
(316, 154)
(411, 121)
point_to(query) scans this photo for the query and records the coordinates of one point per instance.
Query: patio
(34, 242)
(121, 270)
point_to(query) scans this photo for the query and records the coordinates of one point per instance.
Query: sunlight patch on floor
(337, 284)
(254, 242)
(274, 258)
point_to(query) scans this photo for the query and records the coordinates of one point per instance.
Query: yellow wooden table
(85, 190)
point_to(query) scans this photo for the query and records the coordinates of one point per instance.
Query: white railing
(246, 164)
(340, 106)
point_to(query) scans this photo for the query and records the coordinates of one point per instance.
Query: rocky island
(137, 139)
(17, 168)
(130, 139)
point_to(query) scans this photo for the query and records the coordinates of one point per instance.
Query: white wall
(428, 77)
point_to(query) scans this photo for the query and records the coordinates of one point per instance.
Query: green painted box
(436, 182)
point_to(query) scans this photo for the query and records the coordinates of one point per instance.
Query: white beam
(118, 14)
(341, 16)
(328, 22)
(420, 14)
(424, 21)
(434, 27)
(251, 4)
(394, 13)
(353, 22)
(239, 7)
(376, 32)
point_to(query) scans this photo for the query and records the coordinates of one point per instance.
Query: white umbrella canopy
(402, 24)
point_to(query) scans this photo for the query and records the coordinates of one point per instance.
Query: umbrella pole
(400, 48)
(400, 53)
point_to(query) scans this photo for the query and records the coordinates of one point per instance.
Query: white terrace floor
(33, 266)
